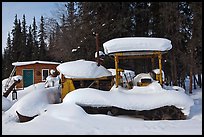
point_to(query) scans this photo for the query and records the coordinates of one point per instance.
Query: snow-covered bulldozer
(152, 107)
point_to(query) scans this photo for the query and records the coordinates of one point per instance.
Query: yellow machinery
(70, 84)
(131, 55)
(144, 82)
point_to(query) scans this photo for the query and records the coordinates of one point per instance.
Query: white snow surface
(16, 78)
(82, 69)
(32, 62)
(6, 103)
(136, 44)
(67, 118)
(100, 54)
(138, 98)
(157, 71)
(52, 81)
(4, 82)
(141, 76)
(34, 102)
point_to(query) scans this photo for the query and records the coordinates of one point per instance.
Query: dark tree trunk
(199, 80)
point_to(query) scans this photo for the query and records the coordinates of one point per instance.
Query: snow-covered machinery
(137, 47)
(141, 47)
(84, 74)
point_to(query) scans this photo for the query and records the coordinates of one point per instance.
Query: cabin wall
(37, 68)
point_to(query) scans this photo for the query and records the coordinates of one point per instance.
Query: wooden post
(117, 77)
(97, 49)
(160, 67)
(152, 60)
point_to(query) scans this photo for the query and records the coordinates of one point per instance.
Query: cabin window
(45, 73)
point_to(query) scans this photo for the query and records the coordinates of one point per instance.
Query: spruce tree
(30, 45)
(35, 54)
(42, 44)
(24, 52)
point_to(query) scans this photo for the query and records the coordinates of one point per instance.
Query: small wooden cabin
(33, 72)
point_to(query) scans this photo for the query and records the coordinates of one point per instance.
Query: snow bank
(6, 103)
(33, 62)
(82, 69)
(136, 44)
(4, 82)
(35, 102)
(138, 98)
(22, 92)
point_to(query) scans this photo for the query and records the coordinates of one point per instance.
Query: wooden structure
(33, 72)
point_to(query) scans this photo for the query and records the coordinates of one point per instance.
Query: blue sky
(30, 9)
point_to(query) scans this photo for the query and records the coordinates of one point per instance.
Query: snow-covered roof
(136, 44)
(82, 69)
(33, 62)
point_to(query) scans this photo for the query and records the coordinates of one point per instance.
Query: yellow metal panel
(67, 87)
(117, 71)
(160, 68)
(142, 84)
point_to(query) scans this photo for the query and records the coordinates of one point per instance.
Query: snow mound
(14, 78)
(82, 69)
(141, 76)
(136, 44)
(138, 98)
(35, 102)
(6, 103)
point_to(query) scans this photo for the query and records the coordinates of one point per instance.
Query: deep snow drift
(67, 118)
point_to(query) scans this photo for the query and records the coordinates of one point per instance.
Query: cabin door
(28, 78)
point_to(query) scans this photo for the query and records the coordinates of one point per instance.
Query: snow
(136, 44)
(4, 82)
(6, 103)
(157, 71)
(137, 98)
(141, 76)
(52, 81)
(16, 78)
(33, 62)
(67, 118)
(130, 74)
(74, 50)
(82, 69)
(100, 54)
(33, 103)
